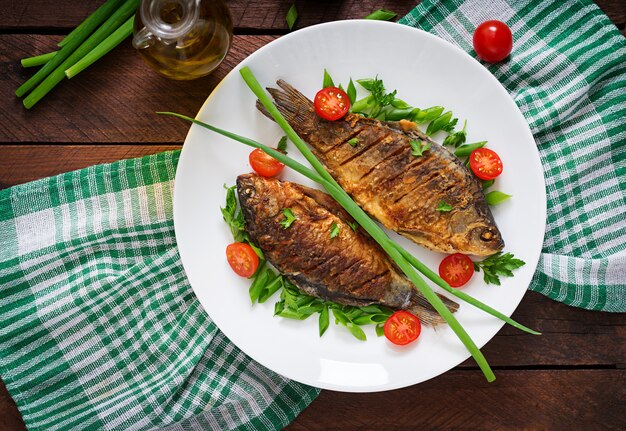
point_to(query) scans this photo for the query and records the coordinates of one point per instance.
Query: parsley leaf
(334, 230)
(498, 265)
(418, 147)
(354, 226)
(456, 139)
(289, 218)
(379, 98)
(444, 207)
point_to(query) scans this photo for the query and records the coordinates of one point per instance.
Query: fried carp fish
(404, 192)
(349, 269)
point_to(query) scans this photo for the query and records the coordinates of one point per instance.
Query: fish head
(484, 239)
(259, 196)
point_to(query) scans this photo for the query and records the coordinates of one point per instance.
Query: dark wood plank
(23, 163)
(118, 98)
(248, 15)
(462, 400)
(10, 417)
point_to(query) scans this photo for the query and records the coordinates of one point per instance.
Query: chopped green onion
(439, 123)
(323, 320)
(496, 197)
(102, 48)
(487, 183)
(92, 21)
(382, 15)
(466, 150)
(292, 16)
(38, 60)
(282, 145)
(427, 115)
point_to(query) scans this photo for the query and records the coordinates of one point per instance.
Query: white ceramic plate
(426, 71)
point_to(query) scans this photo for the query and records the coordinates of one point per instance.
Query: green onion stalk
(38, 60)
(103, 48)
(71, 43)
(405, 261)
(58, 74)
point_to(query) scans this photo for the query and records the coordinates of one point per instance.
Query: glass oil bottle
(183, 39)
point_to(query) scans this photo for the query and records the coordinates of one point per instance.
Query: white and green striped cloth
(567, 74)
(99, 328)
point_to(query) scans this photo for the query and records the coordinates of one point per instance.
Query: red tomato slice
(456, 269)
(493, 41)
(485, 163)
(331, 103)
(402, 328)
(264, 164)
(242, 259)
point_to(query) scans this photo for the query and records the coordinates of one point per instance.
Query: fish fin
(426, 313)
(293, 105)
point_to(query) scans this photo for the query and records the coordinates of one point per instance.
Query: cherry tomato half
(493, 41)
(331, 103)
(264, 164)
(242, 259)
(402, 328)
(456, 269)
(485, 163)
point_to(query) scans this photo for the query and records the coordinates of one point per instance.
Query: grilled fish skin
(398, 189)
(350, 269)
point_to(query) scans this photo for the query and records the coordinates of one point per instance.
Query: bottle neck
(169, 19)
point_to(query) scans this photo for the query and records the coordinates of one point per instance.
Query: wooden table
(571, 377)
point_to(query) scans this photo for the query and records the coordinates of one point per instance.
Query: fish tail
(426, 313)
(293, 105)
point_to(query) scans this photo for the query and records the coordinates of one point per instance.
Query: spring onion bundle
(402, 258)
(94, 37)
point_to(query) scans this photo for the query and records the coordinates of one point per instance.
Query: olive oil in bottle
(183, 39)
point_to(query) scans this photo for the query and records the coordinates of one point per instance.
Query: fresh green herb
(292, 16)
(380, 329)
(498, 265)
(294, 304)
(102, 48)
(444, 122)
(426, 115)
(38, 60)
(289, 218)
(275, 283)
(68, 56)
(377, 100)
(233, 217)
(282, 145)
(444, 207)
(418, 147)
(457, 138)
(351, 92)
(397, 114)
(353, 141)
(382, 15)
(496, 197)
(263, 277)
(354, 226)
(334, 230)
(324, 320)
(74, 41)
(466, 150)
(487, 183)
(328, 81)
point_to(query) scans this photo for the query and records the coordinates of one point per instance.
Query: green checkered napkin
(99, 328)
(567, 74)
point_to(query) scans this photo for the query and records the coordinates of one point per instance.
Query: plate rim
(532, 260)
